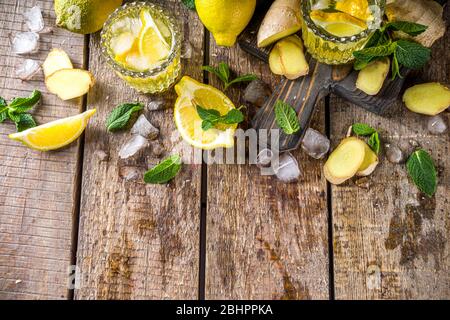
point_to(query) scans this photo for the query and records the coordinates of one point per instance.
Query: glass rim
(328, 36)
(173, 26)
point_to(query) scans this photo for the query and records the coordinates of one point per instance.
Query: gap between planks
(79, 176)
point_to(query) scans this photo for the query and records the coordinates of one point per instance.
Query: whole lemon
(84, 16)
(225, 19)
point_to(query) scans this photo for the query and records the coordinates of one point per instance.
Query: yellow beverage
(142, 43)
(332, 30)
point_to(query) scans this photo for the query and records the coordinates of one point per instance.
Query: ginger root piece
(287, 58)
(427, 98)
(57, 59)
(70, 83)
(426, 12)
(371, 78)
(282, 20)
(345, 161)
(369, 164)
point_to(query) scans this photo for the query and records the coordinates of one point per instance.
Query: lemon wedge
(55, 134)
(152, 44)
(340, 24)
(188, 122)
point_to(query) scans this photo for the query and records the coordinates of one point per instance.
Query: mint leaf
(2, 104)
(378, 38)
(233, 116)
(211, 117)
(223, 73)
(286, 117)
(365, 56)
(164, 171)
(15, 117)
(244, 78)
(120, 116)
(189, 3)
(3, 116)
(410, 28)
(422, 171)
(25, 122)
(21, 105)
(412, 54)
(224, 70)
(374, 142)
(362, 129)
(395, 67)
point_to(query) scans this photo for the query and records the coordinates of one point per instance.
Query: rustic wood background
(215, 232)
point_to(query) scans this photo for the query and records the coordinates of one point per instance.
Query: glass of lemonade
(142, 43)
(333, 29)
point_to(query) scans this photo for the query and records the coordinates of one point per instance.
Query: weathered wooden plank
(390, 242)
(37, 193)
(138, 241)
(265, 239)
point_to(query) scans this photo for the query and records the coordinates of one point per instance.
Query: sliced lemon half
(152, 45)
(55, 134)
(340, 24)
(188, 122)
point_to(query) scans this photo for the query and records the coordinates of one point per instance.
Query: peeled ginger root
(371, 78)
(282, 20)
(427, 98)
(352, 157)
(426, 12)
(56, 60)
(70, 83)
(287, 58)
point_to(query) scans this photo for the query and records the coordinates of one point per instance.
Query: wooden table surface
(218, 231)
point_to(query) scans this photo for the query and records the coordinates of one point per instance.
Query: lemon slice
(356, 8)
(152, 44)
(188, 121)
(340, 24)
(55, 134)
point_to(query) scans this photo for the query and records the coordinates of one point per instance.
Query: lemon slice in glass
(340, 24)
(188, 122)
(356, 8)
(152, 44)
(55, 134)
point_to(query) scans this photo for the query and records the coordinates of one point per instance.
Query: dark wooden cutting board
(304, 92)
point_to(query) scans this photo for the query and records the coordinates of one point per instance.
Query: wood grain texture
(391, 242)
(264, 239)
(37, 190)
(138, 241)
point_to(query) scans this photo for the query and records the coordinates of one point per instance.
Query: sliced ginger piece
(369, 164)
(57, 59)
(70, 83)
(282, 20)
(287, 58)
(427, 98)
(371, 78)
(345, 161)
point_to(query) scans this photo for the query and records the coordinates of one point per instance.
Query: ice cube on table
(132, 146)
(287, 169)
(144, 128)
(27, 69)
(437, 125)
(155, 105)
(25, 42)
(257, 92)
(264, 158)
(315, 144)
(394, 154)
(33, 19)
(122, 43)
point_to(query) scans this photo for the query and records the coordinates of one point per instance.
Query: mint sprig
(422, 171)
(121, 116)
(364, 130)
(223, 72)
(404, 52)
(286, 117)
(374, 142)
(164, 171)
(212, 117)
(17, 111)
